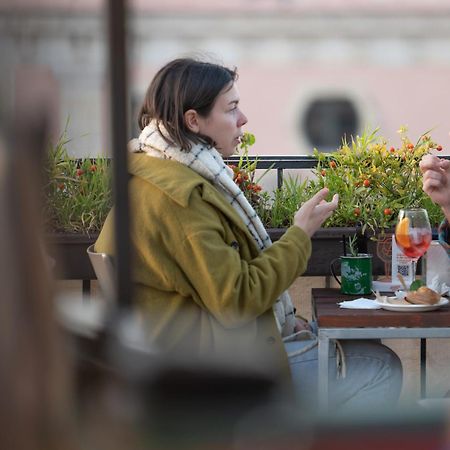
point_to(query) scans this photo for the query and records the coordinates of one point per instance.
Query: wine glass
(413, 234)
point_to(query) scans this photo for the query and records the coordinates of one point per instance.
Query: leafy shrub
(373, 180)
(77, 193)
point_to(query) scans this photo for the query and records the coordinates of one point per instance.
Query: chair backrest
(104, 270)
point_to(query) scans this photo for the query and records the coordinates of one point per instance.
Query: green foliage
(416, 284)
(278, 208)
(244, 171)
(275, 209)
(248, 139)
(353, 245)
(374, 181)
(78, 192)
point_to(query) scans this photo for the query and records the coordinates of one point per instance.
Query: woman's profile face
(224, 122)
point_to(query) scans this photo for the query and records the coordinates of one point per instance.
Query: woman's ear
(191, 119)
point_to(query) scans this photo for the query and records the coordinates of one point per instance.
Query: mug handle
(332, 263)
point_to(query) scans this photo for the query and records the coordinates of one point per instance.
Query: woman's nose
(242, 120)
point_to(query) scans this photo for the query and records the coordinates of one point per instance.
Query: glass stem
(414, 265)
(423, 267)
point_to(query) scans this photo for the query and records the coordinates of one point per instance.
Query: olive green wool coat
(197, 271)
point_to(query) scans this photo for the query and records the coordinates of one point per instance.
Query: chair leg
(86, 289)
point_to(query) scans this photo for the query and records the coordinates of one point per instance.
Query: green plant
(374, 180)
(77, 192)
(244, 171)
(352, 242)
(277, 209)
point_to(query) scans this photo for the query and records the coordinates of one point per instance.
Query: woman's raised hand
(436, 180)
(315, 211)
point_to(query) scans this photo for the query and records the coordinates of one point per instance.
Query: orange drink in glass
(413, 233)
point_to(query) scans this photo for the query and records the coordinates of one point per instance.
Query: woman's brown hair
(180, 85)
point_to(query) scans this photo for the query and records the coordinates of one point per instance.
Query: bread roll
(423, 296)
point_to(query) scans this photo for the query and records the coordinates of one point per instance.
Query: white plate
(390, 305)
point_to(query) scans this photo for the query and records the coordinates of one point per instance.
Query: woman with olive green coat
(197, 271)
(203, 266)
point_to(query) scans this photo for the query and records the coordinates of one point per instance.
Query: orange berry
(387, 211)
(323, 173)
(439, 148)
(332, 164)
(392, 149)
(356, 212)
(366, 183)
(79, 172)
(410, 146)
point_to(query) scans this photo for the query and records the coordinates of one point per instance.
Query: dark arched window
(327, 120)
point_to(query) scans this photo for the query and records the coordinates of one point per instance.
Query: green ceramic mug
(356, 273)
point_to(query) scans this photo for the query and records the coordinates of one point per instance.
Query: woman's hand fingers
(445, 165)
(315, 211)
(429, 162)
(318, 197)
(436, 179)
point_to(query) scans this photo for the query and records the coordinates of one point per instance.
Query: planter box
(381, 248)
(327, 244)
(69, 252)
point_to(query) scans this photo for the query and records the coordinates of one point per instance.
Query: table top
(329, 315)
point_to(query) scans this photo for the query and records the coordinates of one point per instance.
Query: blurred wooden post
(118, 121)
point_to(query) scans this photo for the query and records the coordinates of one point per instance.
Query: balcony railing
(281, 162)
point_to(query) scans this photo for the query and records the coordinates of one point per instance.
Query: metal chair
(104, 271)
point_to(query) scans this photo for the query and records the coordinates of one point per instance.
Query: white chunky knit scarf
(208, 163)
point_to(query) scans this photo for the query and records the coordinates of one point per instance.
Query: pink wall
(272, 96)
(416, 96)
